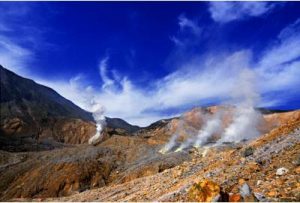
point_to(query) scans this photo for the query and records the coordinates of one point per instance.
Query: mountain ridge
(15, 87)
(32, 113)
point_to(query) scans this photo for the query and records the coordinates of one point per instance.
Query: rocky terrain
(130, 168)
(47, 158)
(265, 169)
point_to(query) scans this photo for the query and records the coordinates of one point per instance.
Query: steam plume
(211, 126)
(185, 144)
(246, 118)
(98, 114)
(173, 139)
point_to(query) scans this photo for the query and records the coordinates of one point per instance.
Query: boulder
(281, 171)
(206, 191)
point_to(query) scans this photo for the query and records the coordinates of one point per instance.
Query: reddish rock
(235, 198)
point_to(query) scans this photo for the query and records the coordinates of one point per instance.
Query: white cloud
(13, 56)
(279, 66)
(286, 48)
(201, 81)
(224, 12)
(185, 23)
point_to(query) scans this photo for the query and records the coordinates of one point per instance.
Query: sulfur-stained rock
(205, 191)
(272, 194)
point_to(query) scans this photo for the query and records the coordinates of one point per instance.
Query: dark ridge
(270, 111)
(159, 123)
(24, 98)
(119, 123)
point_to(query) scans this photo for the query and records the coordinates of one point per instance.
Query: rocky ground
(128, 167)
(62, 172)
(266, 169)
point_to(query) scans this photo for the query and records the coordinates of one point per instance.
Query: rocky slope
(130, 168)
(32, 113)
(32, 102)
(72, 169)
(266, 169)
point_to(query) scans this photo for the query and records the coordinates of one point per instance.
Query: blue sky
(144, 61)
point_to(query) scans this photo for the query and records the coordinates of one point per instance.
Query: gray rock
(281, 171)
(260, 197)
(245, 190)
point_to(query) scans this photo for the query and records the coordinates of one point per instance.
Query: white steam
(243, 126)
(98, 114)
(170, 144)
(185, 145)
(211, 126)
(245, 118)
(172, 141)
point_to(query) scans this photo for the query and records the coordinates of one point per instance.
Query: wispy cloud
(224, 12)
(189, 31)
(13, 55)
(19, 39)
(186, 23)
(107, 82)
(280, 64)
